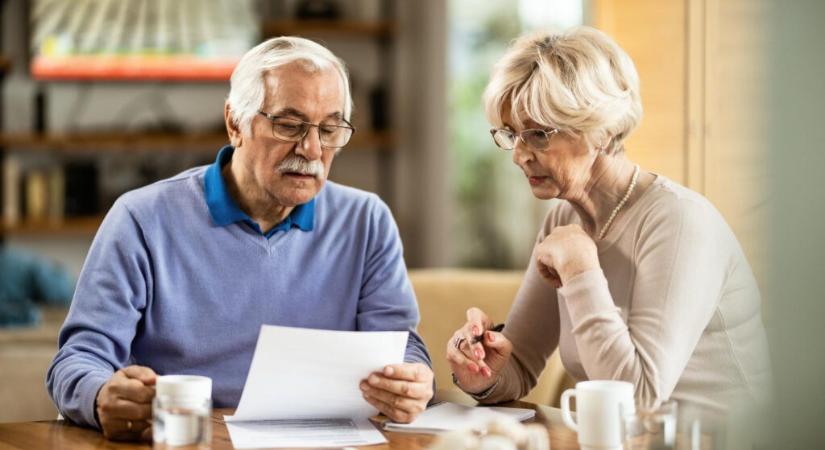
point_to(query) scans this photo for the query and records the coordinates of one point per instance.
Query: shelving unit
(66, 146)
(341, 28)
(197, 142)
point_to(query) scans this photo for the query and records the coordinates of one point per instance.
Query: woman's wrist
(479, 395)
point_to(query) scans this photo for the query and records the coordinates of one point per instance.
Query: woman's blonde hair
(580, 82)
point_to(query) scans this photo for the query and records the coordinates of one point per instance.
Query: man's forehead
(298, 92)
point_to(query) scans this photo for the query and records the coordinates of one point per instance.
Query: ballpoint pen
(497, 328)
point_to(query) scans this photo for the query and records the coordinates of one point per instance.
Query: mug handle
(565, 409)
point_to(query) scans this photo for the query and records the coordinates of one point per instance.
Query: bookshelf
(189, 142)
(66, 227)
(377, 138)
(336, 28)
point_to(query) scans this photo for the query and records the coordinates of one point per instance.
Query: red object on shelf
(152, 67)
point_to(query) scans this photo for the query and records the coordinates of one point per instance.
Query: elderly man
(182, 273)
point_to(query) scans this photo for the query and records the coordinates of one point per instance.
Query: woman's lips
(535, 181)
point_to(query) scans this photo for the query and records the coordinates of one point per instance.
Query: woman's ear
(235, 135)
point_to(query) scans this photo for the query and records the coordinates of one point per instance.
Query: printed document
(299, 376)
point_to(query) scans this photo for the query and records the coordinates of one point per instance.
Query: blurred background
(103, 96)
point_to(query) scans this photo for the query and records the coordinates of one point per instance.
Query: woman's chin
(544, 192)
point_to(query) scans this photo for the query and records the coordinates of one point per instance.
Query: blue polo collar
(225, 211)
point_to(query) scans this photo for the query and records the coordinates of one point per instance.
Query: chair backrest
(444, 295)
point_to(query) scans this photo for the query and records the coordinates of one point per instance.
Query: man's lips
(298, 175)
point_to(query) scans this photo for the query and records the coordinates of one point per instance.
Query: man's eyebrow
(291, 112)
(296, 113)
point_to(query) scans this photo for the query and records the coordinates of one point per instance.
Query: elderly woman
(633, 277)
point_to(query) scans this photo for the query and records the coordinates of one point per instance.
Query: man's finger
(409, 389)
(408, 371)
(133, 390)
(144, 374)
(405, 404)
(396, 415)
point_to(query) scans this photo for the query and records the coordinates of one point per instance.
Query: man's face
(291, 173)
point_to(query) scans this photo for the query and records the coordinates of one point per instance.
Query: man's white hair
(247, 91)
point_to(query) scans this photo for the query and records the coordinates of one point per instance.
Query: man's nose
(310, 146)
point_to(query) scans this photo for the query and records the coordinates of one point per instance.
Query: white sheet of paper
(299, 373)
(304, 433)
(451, 416)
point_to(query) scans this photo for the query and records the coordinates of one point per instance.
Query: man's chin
(294, 196)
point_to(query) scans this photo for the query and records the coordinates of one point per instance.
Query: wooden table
(59, 434)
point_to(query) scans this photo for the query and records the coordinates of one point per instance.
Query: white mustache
(296, 164)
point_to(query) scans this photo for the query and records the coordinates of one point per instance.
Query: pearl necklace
(621, 203)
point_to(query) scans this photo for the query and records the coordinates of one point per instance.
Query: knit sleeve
(111, 293)
(680, 268)
(533, 327)
(387, 301)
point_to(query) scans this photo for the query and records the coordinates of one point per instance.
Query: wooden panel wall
(653, 34)
(703, 76)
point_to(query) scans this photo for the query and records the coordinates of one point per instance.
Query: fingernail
(475, 331)
(478, 354)
(366, 396)
(487, 372)
(491, 336)
(373, 380)
(388, 371)
(364, 387)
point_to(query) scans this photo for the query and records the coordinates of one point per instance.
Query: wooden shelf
(92, 142)
(70, 226)
(205, 142)
(345, 28)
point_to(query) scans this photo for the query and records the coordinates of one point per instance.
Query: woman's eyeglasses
(536, 139)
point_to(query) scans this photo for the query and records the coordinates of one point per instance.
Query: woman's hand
(565, 253)
(476, 365)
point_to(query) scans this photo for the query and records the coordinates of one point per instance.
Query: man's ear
(235, 136)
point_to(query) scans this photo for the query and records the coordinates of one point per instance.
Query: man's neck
(257, 204)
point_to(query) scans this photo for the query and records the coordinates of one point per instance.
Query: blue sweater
(169, 285)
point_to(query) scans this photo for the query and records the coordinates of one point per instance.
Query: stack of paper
(450, 416)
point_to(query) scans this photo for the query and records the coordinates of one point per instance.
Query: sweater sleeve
(533, 327)
(679, 272)
(96, 337)
(387, 300)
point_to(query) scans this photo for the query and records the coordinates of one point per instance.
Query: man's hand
(401, 391)
(124, 404)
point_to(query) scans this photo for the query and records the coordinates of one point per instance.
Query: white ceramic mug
(598, 412)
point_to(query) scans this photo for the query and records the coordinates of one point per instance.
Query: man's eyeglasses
(536, 139)
(331, 135)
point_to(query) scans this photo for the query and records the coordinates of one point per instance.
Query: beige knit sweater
(675, 308)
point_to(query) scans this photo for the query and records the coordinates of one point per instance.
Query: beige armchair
(444, 295)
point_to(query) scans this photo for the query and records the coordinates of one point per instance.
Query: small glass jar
(181, 422)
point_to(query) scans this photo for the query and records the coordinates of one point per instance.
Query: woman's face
(561, 170)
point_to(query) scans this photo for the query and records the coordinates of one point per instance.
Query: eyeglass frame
(272, 118)
(548, 132)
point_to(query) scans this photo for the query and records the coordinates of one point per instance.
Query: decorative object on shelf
(379, 108)
(81, 178)
(318, 9)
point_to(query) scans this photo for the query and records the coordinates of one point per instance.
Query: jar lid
(180, 386)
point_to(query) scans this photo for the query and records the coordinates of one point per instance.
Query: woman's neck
(610, 178)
